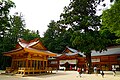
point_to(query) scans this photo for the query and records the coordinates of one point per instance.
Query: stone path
(63, 75)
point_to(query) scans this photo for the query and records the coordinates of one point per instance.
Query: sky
(38, 13)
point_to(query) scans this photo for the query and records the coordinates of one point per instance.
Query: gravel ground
(62, 75)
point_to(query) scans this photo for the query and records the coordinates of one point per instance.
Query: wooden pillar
(26, 66)
(43, 65)
(37, 64)
(110, 66)
(12, 64)
(34, 63)
(40, 65)
(46, 66)
(16, 64)
(31, 64)
(22, 62)
(46, 63)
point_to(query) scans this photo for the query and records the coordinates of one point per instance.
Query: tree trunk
(88, 62)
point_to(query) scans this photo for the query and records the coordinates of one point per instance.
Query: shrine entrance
(68, 64)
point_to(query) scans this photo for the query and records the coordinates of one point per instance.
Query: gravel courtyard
(63, 75)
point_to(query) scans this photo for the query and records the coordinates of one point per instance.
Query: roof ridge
(72, 49)
(23, 43)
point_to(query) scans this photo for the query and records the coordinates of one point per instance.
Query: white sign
(53, 62)
(69, 61)
(95, 60)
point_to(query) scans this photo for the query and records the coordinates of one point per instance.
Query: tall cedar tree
(81, 16)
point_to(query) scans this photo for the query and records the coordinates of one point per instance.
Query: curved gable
(38, 46)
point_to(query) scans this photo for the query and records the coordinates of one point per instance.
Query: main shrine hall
(29, 57)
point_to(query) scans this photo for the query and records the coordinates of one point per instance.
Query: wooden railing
(23, 70)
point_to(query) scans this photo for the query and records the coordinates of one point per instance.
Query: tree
(108, 35)
(81, 16)
(17, 27)
(111, 19)
(5, 26)
(5, 7)
(12, 27)
(56, 38)
(30, 35)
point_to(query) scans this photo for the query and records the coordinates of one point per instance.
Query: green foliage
(90, 41)
(81, 16)
(30, 35)
(56, 38)
(111, 19)
(12, 27)
(108, 35)
(5, 26)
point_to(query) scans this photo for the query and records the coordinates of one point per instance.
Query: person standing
(75, 68)
(102, 73)
(95, 70)
(114, 71)
(79, 72)
(82, 70)
(70, 67)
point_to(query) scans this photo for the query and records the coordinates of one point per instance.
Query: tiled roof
(110, 51)
(28, 46)
(73, 50)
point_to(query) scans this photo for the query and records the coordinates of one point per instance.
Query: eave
(41, 52)
(30, 50)
(16, 51)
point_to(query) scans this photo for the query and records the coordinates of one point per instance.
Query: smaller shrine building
(71, 59)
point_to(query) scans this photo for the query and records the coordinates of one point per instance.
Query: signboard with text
(69, 61)
(95, 60)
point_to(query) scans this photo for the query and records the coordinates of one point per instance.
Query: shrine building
(29, 58)
(70, 59)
